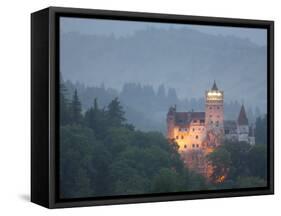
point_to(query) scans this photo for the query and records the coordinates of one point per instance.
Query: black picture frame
(45, 105)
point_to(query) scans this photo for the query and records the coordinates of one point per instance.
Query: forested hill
(183, 58)
(146, 107)
(102, 155)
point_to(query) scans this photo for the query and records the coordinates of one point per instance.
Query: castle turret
(214, 109)
(243, 125)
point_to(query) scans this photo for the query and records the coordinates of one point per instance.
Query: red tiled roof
(187, 117)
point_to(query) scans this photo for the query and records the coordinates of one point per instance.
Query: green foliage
(257, 161)
(167, 180)
(220, 160)
(75, 109)
(242, 161)
(75, 161)
(102, 155)
(115, 113)
(250, 182)
(64, 106)
(261, 130)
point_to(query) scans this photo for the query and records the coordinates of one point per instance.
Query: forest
(146, 106)
(101, 154)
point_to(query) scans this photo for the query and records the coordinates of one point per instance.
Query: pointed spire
(215, 88)
(242, 118)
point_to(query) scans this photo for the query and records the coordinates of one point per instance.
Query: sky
(126, 28)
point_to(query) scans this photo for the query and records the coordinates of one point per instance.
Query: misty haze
(155, 108)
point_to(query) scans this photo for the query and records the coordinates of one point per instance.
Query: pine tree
(64, 106)
(115, 113)
(92, 116)
(76, 116)
(261, 130)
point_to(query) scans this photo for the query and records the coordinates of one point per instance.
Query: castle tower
(171, 122)
(214, 113)
(243, 126)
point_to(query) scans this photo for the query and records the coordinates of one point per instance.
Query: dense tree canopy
(102, 155)
(240, 161)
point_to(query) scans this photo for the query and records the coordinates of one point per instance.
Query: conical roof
(242, 118)
(215, 88)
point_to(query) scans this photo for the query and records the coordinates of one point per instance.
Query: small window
(193, 129)
(181, 137)
(194, 121)
(177, 137)
(196, 136)
(193, 146)
(197, 145)
(210, 116)
(185, 146)
(210, 107)
(218, 107)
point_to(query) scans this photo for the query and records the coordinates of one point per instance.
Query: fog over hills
(184, 59)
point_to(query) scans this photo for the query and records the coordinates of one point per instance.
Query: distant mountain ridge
(185, 59)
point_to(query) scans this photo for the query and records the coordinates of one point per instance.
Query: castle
(199, 133)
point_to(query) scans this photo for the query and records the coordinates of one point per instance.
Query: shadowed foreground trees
(243, 165)
(102, 155)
